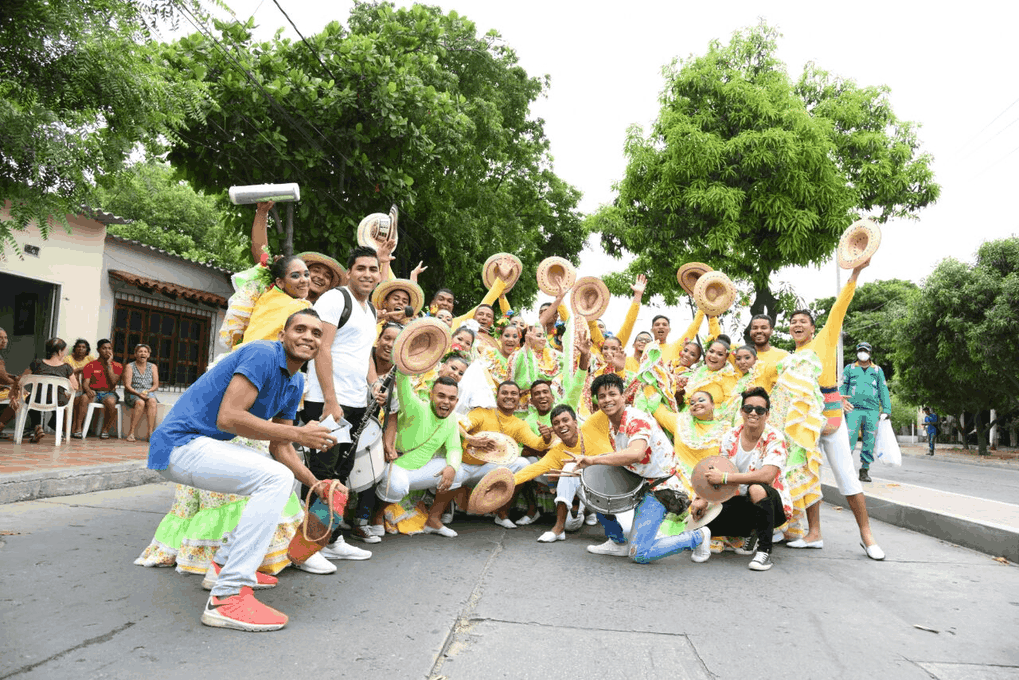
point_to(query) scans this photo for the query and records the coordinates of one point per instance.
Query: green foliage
(167, 213)
(407, 106)
(903, 413)
(749, 171)
(79, 91)
(871, 317)
(957, 349)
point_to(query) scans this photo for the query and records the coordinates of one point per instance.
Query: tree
(957, 349)
(407, 106)
(749, 171)
(78, 93)
(871, 318)
(167, 213)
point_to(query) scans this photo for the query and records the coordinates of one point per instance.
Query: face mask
(863, 356)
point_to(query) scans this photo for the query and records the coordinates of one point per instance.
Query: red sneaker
(242, 612)
(262, 581)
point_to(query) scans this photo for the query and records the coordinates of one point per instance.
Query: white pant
(396, 482)
(472, 474)
(565, 487)
(839, 456)
(224, 467)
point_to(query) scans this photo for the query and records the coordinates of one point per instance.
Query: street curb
(26, 486)
(992, 539)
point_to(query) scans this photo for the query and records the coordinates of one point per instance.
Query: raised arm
(638, 286)
(259, 231)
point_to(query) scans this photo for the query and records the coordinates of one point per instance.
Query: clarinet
(373, 408)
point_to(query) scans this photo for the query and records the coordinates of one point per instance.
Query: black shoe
(749, 545)
(930, 453)
(864, 477)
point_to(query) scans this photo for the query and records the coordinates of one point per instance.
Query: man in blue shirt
(254, 392)
(930, 423)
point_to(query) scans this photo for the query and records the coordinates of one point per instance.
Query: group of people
(91, 380)
(565, 394)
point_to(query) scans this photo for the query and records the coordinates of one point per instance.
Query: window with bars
(179, 341)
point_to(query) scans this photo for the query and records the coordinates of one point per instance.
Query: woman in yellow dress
(715, 375)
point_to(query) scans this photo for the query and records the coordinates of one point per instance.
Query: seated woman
(141, 379)
(7, 380)
(696, 431)
(759, 453)
(52, 365)
(79, 357)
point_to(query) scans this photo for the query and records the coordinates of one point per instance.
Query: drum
(369, 459)
(610, 489)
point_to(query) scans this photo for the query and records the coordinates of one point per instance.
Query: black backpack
(348, 302)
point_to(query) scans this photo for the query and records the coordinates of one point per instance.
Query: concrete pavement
(493, 603)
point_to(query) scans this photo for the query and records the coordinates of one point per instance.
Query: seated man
(500, 419)
(573, 440)
(254, 392)
(99, 384)
(758, 450)
(424, 429)
(640, 445)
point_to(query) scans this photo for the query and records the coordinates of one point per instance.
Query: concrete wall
(68, 260)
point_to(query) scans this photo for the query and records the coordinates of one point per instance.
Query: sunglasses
(759, 410)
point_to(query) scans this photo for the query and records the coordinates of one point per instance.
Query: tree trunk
(764, 303)
(994, 431)
(981, 434)
(962, 430)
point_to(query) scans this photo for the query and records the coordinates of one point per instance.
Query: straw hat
(590, 297)
(858, 243)
(711, 512)
(556, 274)
(369, 228)
(420, 345)
(714, 293)
(505, 450)
(417, 296)
(338, 271)
(489, 272)
(713, 493)
(688, 274)
(492, 492)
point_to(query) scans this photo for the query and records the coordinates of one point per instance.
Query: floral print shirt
(770, 450)
(659, 457)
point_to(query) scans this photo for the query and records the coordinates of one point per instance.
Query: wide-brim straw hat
(556, 274)
(490, 271)
(505, 450)
(492, 492)
(368, 229)
(590, 297)
(420, 345)
(711, 512)
(417, 296)
(858, 243)
(688, 274)
(714, 293)
(714, 493)
(338, 271)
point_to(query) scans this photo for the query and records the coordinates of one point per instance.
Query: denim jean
(644, 546)
(224, 467)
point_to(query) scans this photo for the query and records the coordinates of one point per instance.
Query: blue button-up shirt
(194, 415)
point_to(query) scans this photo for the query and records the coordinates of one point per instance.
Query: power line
(1003, 112)
(989, 139)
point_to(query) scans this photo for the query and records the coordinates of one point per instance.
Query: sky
(951, 69)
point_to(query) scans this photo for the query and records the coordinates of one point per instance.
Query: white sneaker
(610, 547)
(377, 529)
(316, 564)
(441, 531)
(702, 552)
(447, 517)
(505, 523)
(529, 519)
(574, 523)
(339, 550)
(591, 520)
(551, 537)
(777, 537)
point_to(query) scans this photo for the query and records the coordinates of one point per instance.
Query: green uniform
(868, 393)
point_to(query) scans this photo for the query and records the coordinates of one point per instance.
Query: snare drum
(369, 459)
(610, 489)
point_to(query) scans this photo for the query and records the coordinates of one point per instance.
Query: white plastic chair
(99, 423)
(45, 399)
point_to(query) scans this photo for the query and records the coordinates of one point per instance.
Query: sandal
(130, 438)
(104, 435)
(37, 435)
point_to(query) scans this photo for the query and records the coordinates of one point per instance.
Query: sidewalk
(29, 471)
(1002, 457)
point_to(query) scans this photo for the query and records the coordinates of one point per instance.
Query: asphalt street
(493, 603)
(994, 482)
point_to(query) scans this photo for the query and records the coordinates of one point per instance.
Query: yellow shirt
(78, 365)
(826, 341)
(492, 420)
(493, 294)
(270, 314)
(595, 443)
(672, 350)
(772, 356)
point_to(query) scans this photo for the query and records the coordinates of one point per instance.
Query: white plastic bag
(886, 448)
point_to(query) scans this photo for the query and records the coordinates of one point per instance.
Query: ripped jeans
(644, 547)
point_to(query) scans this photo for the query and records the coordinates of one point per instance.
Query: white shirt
(351, 350)
(742, 462)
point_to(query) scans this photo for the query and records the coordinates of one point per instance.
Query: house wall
(71, 261)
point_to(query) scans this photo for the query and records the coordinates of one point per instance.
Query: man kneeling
(254, 392)
(759, 453)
